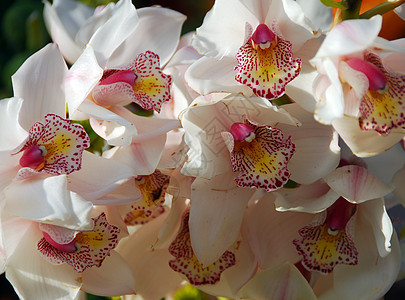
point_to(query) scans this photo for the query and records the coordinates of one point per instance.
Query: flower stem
(381, 8)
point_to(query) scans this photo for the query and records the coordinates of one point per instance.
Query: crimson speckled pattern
(322, 251)
(86, 255)
(383, 112)
(262, 163)
(186, 262)
(64, 144)
(267, 71)
(153, 188)
(147, 66)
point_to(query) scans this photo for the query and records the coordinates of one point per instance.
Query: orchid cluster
(255, 158)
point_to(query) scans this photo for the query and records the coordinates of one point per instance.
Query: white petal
(350, 36)
(292, 22)
(11, 133)
(364, 143)
(331, 103)
(149, 265)
(162, 40)
(98, 176)
(121, 24)
(63, 19)
(30, 274)
(49, 202)
(208, 75)
(312, 198)
(216, 213)
(271, 233)
(283, 281)
(319, 14)
(221, 33)
(82, 77)
(39, 81)
(114, 271)
(374, 213)
(142, 157)
(356, 184)
(317, 151)
(400, 11)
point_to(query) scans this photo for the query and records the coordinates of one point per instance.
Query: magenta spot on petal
(263, 35)
(32, 157)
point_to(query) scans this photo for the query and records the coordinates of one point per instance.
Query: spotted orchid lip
(266, 64)
(260, 154)
(55, 147)
(143, 83)
(89, 249)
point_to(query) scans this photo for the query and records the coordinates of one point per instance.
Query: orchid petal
(356, 184)
(364, 143)
(115, 271)
(311, 198)
(121, 24)
(40, 82)
(142, 157)
(293, 23)
(319, 14)
(92, 184)
(317, 151)
(262, 219)
(63, 19)
(149, 265)
(283, 281)
(212, 232)
(165, 38)
(221, 34)
(82, 77)
(31, 275)
(11, 138)
(331, 104)
(350, 36)
(208, 75)
(374, 213)
(49, 202)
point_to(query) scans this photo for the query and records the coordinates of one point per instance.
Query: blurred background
(23, 32)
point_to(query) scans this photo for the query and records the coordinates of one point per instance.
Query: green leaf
(332, 3)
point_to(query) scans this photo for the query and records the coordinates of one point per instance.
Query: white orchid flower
(360, 86)
(250, 47)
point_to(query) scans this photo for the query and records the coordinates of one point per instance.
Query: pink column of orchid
(259, 157)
